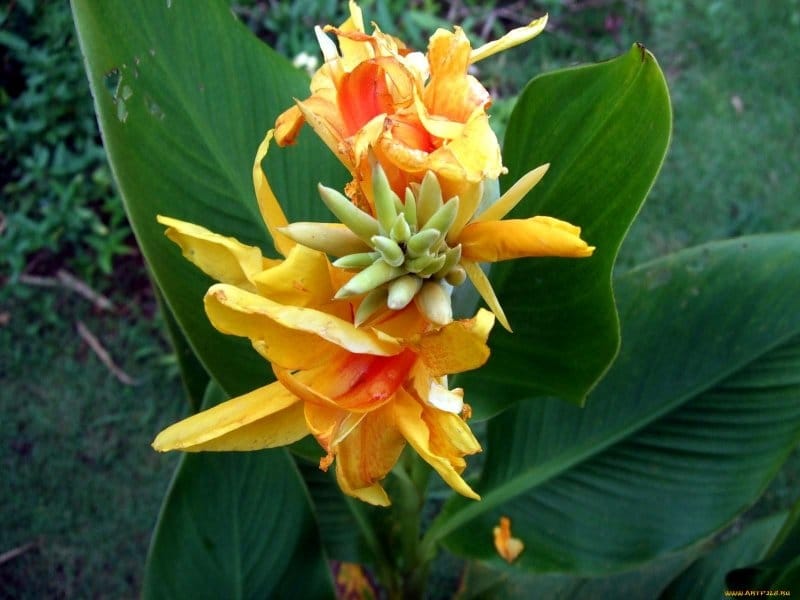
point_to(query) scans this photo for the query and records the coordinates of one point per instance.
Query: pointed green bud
(410, 209)
(434, 267)
(444, 218)
(359, 222)
(453, 257)
(400, 232)
(357, 261)
(402, 291)
(371, 303)
(421, 242)
(384, 198)
(390, 251)
(373, 276)
(415, 265)
(434, 302)
(429, 198)
(331, 238)
(456, 276)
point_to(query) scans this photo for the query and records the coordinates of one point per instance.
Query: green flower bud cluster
(401, 253)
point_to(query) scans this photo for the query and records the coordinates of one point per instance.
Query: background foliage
(728, 73)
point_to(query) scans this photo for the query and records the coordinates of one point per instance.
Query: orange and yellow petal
(508, 547)
(367, 454)
(222, 258)
(458, 346)
(492, 241)
(268, 417)
(408, 417)
(302, 279)
(291, 337)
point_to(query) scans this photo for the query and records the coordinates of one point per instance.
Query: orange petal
(408, 417)
(288, 125)
(264, 418)
(492, 241)
(367, 454)
(508, 547)
(271, 211)
(457, 347)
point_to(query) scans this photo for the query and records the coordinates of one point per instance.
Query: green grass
(80, 479)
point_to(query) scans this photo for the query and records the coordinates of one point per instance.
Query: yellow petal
(367, 454)
(408, 417)
(513, 38)
(451, 436)
(271, 211)
(492, 241)
(506, 203)
(289, 336)
(300, 280)
(222, 258)
(264, 418)
(457, 347)
(484, 287)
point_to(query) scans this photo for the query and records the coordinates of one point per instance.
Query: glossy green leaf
(685, 431)
(236, 525)
(705, 578)
(184, 97)
(604, 129)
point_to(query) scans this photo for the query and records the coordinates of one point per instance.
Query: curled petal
(513, 38)
(507, 546)
(408, 416)
(492, 241)
(222, 258)
(292, 337)
(300, 280)
(271, 211)
(367, 454)
(268, 417)
(457, 347)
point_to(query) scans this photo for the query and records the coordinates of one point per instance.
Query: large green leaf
(685, 431)
(236, 525)
(705, 578)
(184, 96)
(604, 129)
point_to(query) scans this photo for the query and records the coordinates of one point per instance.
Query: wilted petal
(507, 546)
(457, 347)
(367, 454)
(408, 416)
(222, 258)
(491, 241)
(264, 418)
(513, 38)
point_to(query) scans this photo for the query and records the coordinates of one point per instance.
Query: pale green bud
(400, 229)
(444, 218)
(435, 266)
(362, 224)
(384, 198)
(402, 291)
(429, 198)
(357, 261)
(421, 242)
(453, 256)
(415, 265)
(330, 238)
(410, 209)
(434, 302)
(390, 251)
(456, 276)
(373, 276)
(369, 305)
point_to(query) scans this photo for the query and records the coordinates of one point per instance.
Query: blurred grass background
(81, 487)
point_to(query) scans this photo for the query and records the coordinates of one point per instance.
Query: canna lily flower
(414, 249)
(416, 112)
(362, 392)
